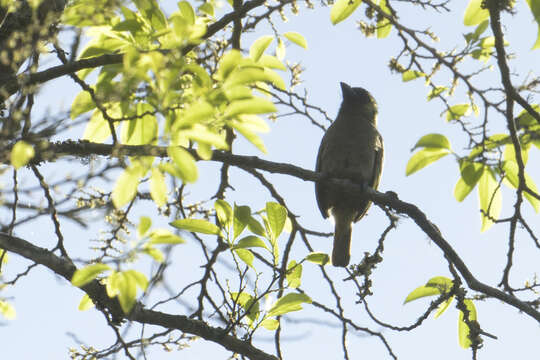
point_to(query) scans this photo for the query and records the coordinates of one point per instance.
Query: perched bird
(352, 149)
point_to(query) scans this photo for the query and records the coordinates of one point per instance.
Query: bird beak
(346, 90)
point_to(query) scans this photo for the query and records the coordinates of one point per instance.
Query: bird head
(359, 99)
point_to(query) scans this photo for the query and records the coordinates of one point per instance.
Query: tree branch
(98, 294)
(48, 151)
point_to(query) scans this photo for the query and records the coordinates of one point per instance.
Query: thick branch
(98, 293)
(49, 151)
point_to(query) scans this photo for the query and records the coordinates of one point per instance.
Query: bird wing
(320, 193)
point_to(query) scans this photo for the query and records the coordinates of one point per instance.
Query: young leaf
(250, 106)
(296, 38)
(88, 273)
(288, 303)
(490, 198)
(423, 158)
(196, 225)
(7, 310)
(86, 303)
(240, 220)
(342, 9)
(144, 224)
(158, 187)
(384, 26)
(276, 215)
(470, 174)
(411, 75)
(463, 328)
(436, 92)
(21, 153)
(97, 130)
(126, 186)
(294, 274)
(259, 46)
(224, 213)
(83, 103)
(443, 307)
(143, 129)
(433, 141)
(126, 291)
(280, 50)
(185, 163)
(246, 256)
(228, 63)
(318, 258)
(534, 5)
(435, 286)
(270, 324)
(250, 241)
(474, 14)
(163, 236)
(456, 112)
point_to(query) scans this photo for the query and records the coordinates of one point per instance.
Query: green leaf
(463, 328)
(435, 286)
(294, 274)
(259, 46)
(456, 112)
(187, 12)
(246, 256)
(202, 134)
(250, 241)
(86, 303)
(143, 129)
(276, 215)
(144, 225)
(242, 214)
(433, 141)
(470, 174)
(248, 303)
(443, 307)
(126, 287)
(97, 130)
(280, 50)
(318, 258)
(224, 213)
(255, 227)
(228, 63)
(196, 225)
(511, 170)
(490, 197)
(411, 75)
(7, 310)
(342, 9)
(250, 106)
(270, 324)
(88, 273)
(526, 119)
(153, 252)
(384, 26)
(251, 75)
(21, 154)
(436, 92)
(296, 38)
(474, 14)
(126, 186)
(140, 279)
(288, 303)
(423, 158)
(149, 9)
(163, 236)
(238, 92)
(158, 187)
(534, 5)
(185, 163)
(83, 103)
(272, 62)
(207, 8)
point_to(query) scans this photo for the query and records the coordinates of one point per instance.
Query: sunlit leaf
(534, 5)
(270, 324)
(342, 9)
(294, 274)
(259, 46)
(86, 303)
(470, 174)
(7, 310)
(443, 307)
(490, 198)
(474, 14)
(163, 236)
(88, 273)
(411, 75)
(224, 213)
(83, 103)
(196, 225)
(126, 186)
(435, 286)
(21, 154)
(276, 215)
(456, 112)
(289, 303)
(246, 256)
(144, 225)
(423, 158)
(242, 214)
(433, 141)
(463, 328)
(158, 187)
(318, 258)
(250, 241)
(184, 162)
(384, 26)
(296, 38)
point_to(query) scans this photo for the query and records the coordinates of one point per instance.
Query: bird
(351, 149)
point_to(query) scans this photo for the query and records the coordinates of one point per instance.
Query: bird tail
(342, 237)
